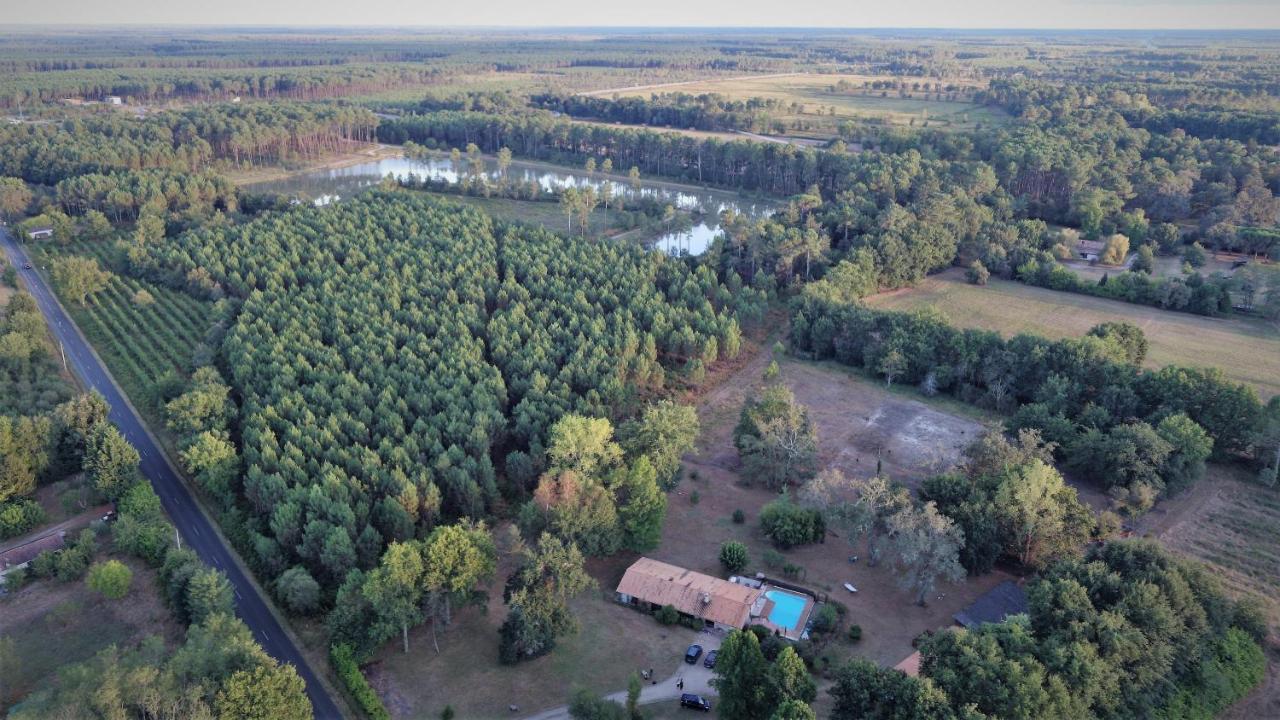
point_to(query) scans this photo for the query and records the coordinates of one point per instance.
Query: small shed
(998, 603)
(113, 100)
(1090, 250)
(40, 232)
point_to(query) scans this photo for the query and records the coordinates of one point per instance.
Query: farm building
(17, 557)
(649, 585)
(40, 232)
(1090, 250)
(998, 603)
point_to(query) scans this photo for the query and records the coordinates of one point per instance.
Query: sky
(1056, 14)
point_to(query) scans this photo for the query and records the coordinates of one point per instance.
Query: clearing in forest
(853, 414)
(852, 101)
(1246, 349)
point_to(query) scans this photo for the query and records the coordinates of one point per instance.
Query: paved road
(696, 677)
(197, 531)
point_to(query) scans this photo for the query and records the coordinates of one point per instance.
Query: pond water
(330, 185)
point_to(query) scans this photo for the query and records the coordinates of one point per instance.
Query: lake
(333, 184)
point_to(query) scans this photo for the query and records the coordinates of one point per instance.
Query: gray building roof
(997, 604)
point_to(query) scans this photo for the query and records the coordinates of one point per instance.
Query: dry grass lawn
(612, 642)
(812, 91)
(1230, 524)
(1247, 350)
(50, 624)
(852, 414)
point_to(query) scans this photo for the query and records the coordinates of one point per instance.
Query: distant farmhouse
(40, 232)
(1090, 250)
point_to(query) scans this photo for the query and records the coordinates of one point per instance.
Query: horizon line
(398, 27)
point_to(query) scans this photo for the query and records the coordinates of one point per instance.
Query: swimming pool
(786, 608)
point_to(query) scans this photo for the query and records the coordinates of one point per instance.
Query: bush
(733, 556)
(825, 620)
(344, 664)
(110, 579)
(15, 579)
(667, 615)
(1251, 617)
(694, 497)
(739, 517)
(773, 559)
(855, 633)
(788, 525)
(20, 516)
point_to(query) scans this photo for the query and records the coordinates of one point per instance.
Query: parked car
(711, 659)
(692, 654)
(694, 702)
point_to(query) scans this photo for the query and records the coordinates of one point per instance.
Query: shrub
(825, 619)
(15, 579)
(739, 517)
(667, 615)
(733, 556)
(344, 663)
(1251, 617)
(773, 559)
(19, 516)
(694, 497)
(788, 525)
(855, 633)
(110, 579)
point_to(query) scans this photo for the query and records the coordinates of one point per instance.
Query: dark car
(711, 659)
(27, 266)
(694, 702)
(692, 654)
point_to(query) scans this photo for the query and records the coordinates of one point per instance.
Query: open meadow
(1247, 350)
(815, 91)
(51, 624)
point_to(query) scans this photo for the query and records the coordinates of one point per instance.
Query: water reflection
(333, 184)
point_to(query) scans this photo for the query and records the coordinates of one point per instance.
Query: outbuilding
(40, 232)
(995, 606)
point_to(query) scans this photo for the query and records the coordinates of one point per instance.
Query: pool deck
(790, 633)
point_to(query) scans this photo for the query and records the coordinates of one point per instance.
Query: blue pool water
(786, 608)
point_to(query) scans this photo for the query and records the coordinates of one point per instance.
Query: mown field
(813, 91)
(1247, 350)
(142, 344)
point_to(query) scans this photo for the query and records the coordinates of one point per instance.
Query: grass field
(1247, 350)
(50, 624)
(612, 642)
(814, 91)
(140, 343)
